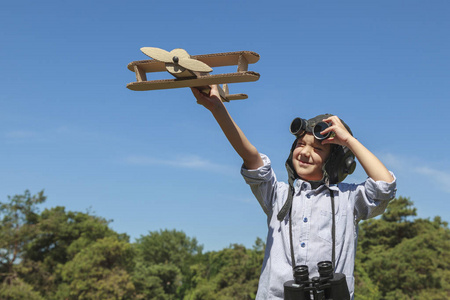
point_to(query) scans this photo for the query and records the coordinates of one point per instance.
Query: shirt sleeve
(372, 197)
(263, 183)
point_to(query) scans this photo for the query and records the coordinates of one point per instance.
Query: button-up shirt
(311, 224)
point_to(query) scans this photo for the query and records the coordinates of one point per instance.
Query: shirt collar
(300, 184)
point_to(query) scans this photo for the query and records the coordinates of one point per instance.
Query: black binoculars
(328, 285)
(299, 126)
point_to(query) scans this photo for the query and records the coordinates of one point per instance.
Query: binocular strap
(333, 234)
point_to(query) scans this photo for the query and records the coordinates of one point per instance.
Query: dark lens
(301, 274)
(321, 126)
(325, 269)
(298, 126)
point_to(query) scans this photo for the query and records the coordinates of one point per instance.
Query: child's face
(309, 157)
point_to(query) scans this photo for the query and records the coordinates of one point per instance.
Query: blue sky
(154, 160)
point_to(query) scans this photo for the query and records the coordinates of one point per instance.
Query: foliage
(365, 288)
(163, 259)
(99, 271)
(406, 258)
(157, 281)
(45, 250)
(59, 254)
(18, 227)
(232, 273)
(16, 289)
(168, 246)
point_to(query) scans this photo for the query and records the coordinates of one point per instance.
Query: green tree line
(59, 254)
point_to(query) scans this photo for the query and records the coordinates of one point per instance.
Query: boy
(302, 228)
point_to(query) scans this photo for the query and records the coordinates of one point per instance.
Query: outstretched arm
(249, 154)
(374, 168)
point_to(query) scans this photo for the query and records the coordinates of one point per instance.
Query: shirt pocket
(325, 225)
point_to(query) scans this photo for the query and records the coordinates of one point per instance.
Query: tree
(157, 281)
(394, 225)
(365, 288)
(168, 246)
(231, 273)
(16, 289)
(406, 258)
(18, 226)
(164, 258)
(44, 254)
(100, 271)
(62, 235)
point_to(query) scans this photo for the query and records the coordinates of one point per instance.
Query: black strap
(333, 231)
(287, 207)
(333, 234)
(290, 239)
(288, 204)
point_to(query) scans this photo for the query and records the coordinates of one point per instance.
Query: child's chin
(307, 177)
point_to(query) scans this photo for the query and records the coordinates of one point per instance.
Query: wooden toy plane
(193, 71)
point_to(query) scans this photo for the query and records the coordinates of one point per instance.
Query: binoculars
(328, 285)
(299, 126)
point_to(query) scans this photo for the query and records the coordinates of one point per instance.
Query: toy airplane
(193, 71)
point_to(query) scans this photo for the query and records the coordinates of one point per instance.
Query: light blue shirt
(311, 224)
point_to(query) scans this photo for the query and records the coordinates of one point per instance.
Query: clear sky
(154, 160)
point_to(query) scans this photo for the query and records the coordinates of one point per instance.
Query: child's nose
(305, 151)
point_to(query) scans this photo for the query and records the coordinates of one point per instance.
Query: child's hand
(339, 134)
(209, 101)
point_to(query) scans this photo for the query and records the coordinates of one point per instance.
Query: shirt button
(305, 220)
(303, 245)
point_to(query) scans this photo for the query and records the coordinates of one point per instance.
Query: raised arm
(248, 153)
(374, 168)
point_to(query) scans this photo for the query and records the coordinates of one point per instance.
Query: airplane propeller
(178, 57)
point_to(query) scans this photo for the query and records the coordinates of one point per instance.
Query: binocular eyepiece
(328, 285)
(325, 269)
(301, 273)
(299, 126)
